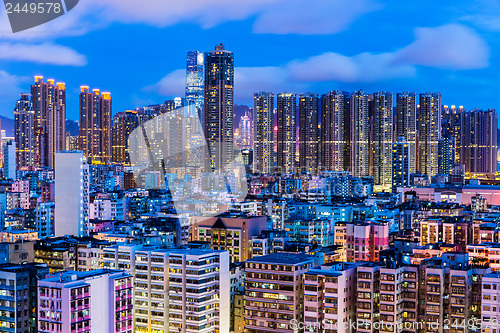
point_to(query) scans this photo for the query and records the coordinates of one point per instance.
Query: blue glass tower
(194, 81)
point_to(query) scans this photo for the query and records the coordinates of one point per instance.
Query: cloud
(77, 22)
(163, 13)
(448, 46)
(271, 16)
(11, 84)
(248, 80)
(46, 53)
(364, 67)
(321, 17)
(451, 46)
(173, 84)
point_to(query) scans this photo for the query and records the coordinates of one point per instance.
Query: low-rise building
(96, 301)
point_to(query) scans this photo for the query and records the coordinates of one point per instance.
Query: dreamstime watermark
(399, 325)
(26, 14)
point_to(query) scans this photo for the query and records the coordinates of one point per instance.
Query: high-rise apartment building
(123, 124)
(71, 194)
(94, 301)
(287, 139)
(330, 297)
(176, 290)
(446, 152)
(333, 131)
(274, 292)
(445, 291)
(359, 134)
(406, 123)
(368, 296)
(309, 158)
(451, 117)
(49, 105)
(429, 133)
(478, 146)
(263, 143)
(401, 161)
(194, 81)
(95, 124)
(218, 107)
(398, 306)
(381, 141)
(25, 131)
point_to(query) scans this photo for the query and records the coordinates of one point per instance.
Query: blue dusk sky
(137, 49)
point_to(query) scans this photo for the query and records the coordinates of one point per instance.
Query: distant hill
(7, 124)
(239, 111)
(72, 127)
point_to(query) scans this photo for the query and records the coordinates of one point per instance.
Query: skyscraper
(359, 134)
(263, 104)
(218, 110)
(287, 139)
(123, 124)
(429, 133)
(382, 133)
(71, 194)
(406, 123)
(309, 132)
(479, 141)
(246, 129)
(194, 81)
(25, 131)
(446, 152)
(95, 124)
(49, 105)
(401, 161)
(333, 140)
(451, 127)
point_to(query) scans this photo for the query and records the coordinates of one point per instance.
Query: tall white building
(9, 153)
(71, 194)
(184, 290)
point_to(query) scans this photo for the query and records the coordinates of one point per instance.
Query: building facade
(287, 139)
(218, 107)
(95, 124)
(263, 143)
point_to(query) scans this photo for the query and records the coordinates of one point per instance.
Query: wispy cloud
(271, 16)
(451, 46)
(46, 53)
(446, 47)
(319, 17)
(10, 84)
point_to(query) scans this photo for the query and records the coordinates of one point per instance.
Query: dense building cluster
(361, 213)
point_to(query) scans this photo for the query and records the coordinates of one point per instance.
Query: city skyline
(417, 51)
(250, 166)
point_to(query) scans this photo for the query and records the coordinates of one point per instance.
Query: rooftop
(73, 276)
(283, 258)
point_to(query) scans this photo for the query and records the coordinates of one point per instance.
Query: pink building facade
(364, 240)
